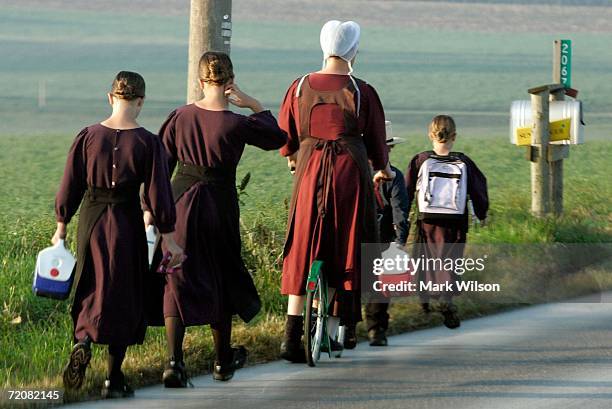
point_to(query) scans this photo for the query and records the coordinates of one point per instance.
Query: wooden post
(557, 152)
(210, 29)
(539, 166)
(556, 155)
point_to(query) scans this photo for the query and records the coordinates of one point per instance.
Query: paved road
(549, 356)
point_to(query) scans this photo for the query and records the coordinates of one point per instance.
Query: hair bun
(128, 85)
(124, 89)
(216, 68)
(442, 133)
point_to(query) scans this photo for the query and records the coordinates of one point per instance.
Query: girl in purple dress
(204, 142)
(107, 165)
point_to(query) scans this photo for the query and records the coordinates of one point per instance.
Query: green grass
(33, 351)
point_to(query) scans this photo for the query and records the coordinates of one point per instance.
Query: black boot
(449, 312)
(377, 337)
(224, 371)
(335, 346)
(74, 372)
(116, 388)
(292, 348)
(175, 375)
(350, 336)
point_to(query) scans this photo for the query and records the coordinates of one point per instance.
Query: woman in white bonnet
(335, 124)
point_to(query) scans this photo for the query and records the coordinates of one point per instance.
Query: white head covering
(340, 40)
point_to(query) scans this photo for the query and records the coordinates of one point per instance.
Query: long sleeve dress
(332, 207)
(213, 281)
(444, 238)
(105, 170)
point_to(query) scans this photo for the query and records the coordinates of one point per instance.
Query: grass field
(418, 72)
(35, 333)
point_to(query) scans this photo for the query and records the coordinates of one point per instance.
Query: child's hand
(176, 252)
(292, 163)
(148, 219)
(60, 233)
(236, 97)
(384, 175)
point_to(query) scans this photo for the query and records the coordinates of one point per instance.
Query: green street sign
(565, 63)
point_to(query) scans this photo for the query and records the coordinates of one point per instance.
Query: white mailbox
(566, 125)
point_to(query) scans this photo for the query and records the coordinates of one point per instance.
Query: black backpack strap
(452, 156)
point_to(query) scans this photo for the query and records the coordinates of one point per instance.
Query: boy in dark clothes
(393, 209)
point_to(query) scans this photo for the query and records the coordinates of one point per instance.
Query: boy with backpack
(442, 182)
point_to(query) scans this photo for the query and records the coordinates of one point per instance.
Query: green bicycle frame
(311, 285)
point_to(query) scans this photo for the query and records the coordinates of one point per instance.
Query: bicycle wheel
(315, 314)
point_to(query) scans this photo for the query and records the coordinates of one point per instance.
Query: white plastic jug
(53, 273)
(151, 241)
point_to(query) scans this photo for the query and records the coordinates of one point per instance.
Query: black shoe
(293, 352)
(74, 372)
(451, 319)
(350, 337)
(335, 346)
(377, 338)
(174, 375)
(116, 390)
(225, 372)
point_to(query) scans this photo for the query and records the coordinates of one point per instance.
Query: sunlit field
(418, 73)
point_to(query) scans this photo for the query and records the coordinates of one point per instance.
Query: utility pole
(210, 29)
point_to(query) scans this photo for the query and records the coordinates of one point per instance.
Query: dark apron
(188, 175)
(348, 305)
(239, 287)
(94, 205)
(351, 141)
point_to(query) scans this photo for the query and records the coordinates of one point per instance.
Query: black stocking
(175, 332)
(116, 355)
(222, 335)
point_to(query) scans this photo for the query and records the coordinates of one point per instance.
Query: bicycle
(316, 314)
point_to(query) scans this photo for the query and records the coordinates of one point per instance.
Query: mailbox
(566, 125)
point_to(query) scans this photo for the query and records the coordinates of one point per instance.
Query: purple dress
(214, 281)
(108, 303)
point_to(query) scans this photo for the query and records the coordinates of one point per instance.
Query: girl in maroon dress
(106, 167)
(205, 141)
(335, 124)
(443, 236)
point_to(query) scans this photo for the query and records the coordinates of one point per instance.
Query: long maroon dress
(108, 303)
(339, 110)
(445, 238)
(214, 280)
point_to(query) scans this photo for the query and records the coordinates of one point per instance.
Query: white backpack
(442, 186)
